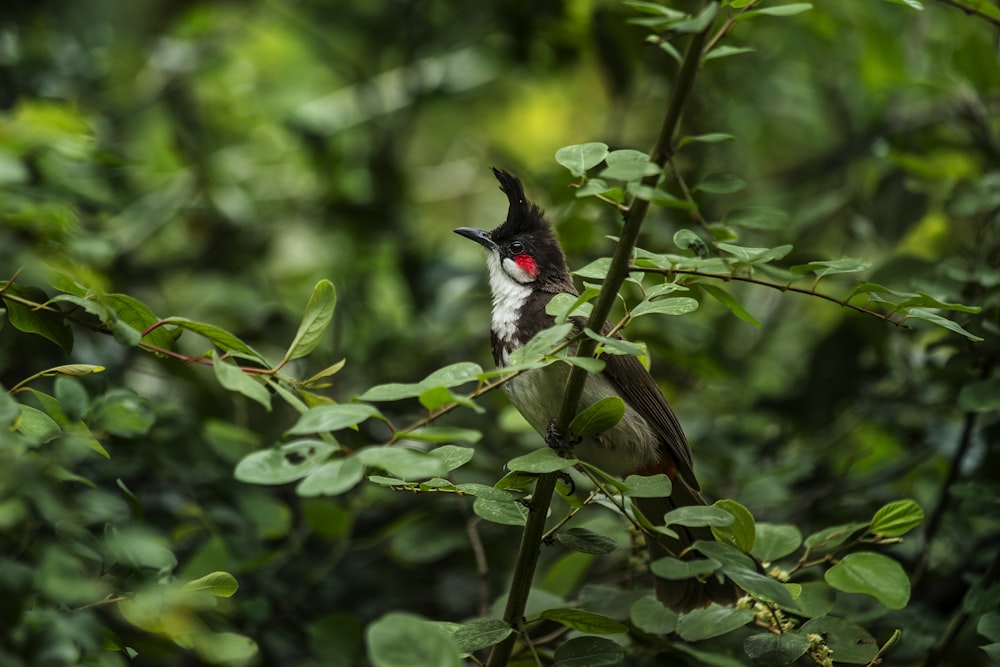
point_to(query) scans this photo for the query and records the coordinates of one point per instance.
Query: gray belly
(626, 447)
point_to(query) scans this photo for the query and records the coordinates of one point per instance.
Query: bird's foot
(556, 440)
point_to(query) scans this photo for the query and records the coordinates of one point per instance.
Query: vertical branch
(531, 538)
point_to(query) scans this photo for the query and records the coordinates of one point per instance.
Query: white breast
(508, 298)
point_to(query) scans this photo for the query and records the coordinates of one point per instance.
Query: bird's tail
(684, 594)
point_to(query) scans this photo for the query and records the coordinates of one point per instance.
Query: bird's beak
(480, 236)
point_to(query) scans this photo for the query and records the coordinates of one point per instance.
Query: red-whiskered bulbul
(527, 268)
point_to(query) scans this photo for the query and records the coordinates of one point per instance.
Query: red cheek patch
(527, 264)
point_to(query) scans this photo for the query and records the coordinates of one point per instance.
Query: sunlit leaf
(315, 320)
(897, 518)
(581, 157)
(218, 584)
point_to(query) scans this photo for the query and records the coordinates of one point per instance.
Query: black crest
(522, 215)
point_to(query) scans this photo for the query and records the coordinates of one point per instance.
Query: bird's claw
(556, 440)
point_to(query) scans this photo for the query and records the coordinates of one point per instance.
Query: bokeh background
(216, 159)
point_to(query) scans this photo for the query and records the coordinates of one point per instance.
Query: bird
(527, 268)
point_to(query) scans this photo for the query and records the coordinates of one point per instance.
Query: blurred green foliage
(217, 161)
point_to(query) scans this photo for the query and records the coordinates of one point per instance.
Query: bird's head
(523, 248)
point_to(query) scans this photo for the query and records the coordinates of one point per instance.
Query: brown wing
(639, 389)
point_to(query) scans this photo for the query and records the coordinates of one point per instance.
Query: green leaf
(332, 478)
(617, 345)
(743, 571)
(393, 391)
(218, 584)
(721, 184)
(711, 621)
(46, 324)
(758, 217)
(897, 518)
(287, 463)
(657, 196)
(588, 652)
(453, 375)
(453, 456)
(725, 51)
(326, 418)
(581, 157)
(502, 512)
(934, 318)
(121, 412)
(598, 417)
(444, 434)
(596, 270)
(648, 486)
(315, 320)
(37, 426)
(221, 338)
(541, 343)
(219, 648)
(404, 640)
(710, 138)
(872, 574)
(628, 165)
(654, 8)
(649, 615)
(72, 396)
(775, 541)
(562, 305)
(131, 318)
(407, 464)
(832, 266)
(778, 10)
(676, 305)
(742, 533)
(540, 461)
(699, 515)
(589, 364)
(676, 569)
(850, 643)
(598, 186)
(815, 599)
(586, 541)
(914, 4)
(234, 379)
(727, 300)
(924, 300)
(480, 633)
(770, 649)
(834, 536)
(755, 255)
(698, 23)
(981, 396)
(585, 621)
(685, 239)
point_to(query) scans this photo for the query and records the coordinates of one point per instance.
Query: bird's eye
(517, 247)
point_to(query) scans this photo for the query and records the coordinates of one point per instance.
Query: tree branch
(971, 11)
(531, 538)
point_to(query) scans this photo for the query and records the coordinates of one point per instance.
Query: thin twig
(885, 317)
(971, 11)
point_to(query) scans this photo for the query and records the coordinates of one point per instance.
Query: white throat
(509, 296)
